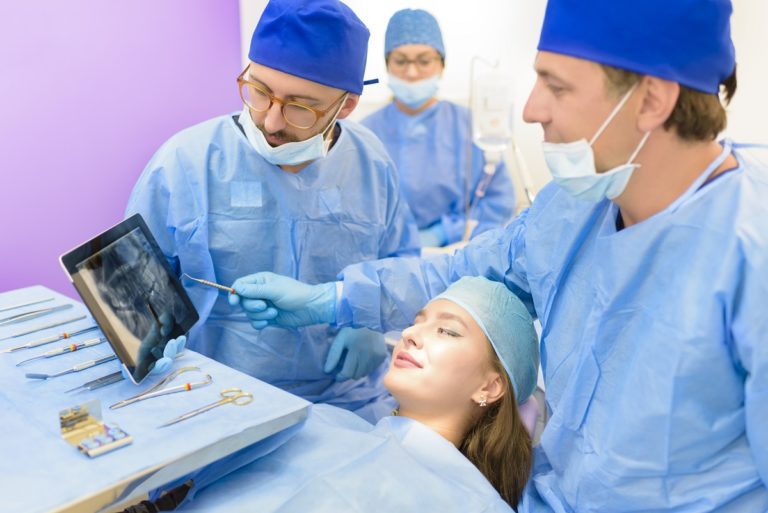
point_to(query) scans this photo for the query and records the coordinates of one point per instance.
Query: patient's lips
(404, 360)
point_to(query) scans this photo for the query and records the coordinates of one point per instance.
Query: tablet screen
(137, 300)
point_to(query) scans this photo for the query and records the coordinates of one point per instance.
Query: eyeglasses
(298, 115)
(422, 62)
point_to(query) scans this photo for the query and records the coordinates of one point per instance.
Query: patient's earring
(483, 402)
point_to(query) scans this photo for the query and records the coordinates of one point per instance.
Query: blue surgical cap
(413, 27)
(507, 324)
(319, 40)
(686, 41)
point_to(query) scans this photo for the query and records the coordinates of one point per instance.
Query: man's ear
(349, 105)
(659, 100)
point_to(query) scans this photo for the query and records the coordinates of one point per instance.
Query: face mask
(573, 165)
(414, 94)
(290, 153)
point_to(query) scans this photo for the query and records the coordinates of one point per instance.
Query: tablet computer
(132, 293)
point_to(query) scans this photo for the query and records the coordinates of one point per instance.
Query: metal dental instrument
(99, 382)
(41, 328)
(34, 314)
(77, 368)
(229, 395)
(210, 284)
(64, 350)
(158, 389)
(48, 340)
(30, 303)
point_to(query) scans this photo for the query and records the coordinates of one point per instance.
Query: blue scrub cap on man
(413, 27)
(319, 40)
(686, 41)
(507, 324)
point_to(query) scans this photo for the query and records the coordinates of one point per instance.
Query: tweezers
(34, 314)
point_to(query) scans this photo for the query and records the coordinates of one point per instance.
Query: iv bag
(492, 111)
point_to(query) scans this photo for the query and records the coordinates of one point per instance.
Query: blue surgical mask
(413, 94)
(573, 165)
(290, 153)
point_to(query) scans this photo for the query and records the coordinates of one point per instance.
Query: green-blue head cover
(507, 324)
(413, 27)
(319, 40)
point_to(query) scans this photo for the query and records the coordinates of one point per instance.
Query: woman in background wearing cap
(429, 139)
(457, 442)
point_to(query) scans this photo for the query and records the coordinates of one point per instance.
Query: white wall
(508, 31)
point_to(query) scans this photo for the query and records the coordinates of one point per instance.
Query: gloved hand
(152, 346)
(363, 350)
(434, 236)
(269, 299)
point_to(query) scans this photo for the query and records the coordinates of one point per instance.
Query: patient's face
(440, 360)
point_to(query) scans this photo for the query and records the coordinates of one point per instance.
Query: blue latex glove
(154, 343)
(362, 351)
(269, 299)
(434, 236)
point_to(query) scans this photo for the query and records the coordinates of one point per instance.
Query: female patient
(456, 442)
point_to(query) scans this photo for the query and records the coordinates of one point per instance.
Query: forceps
(33, 314)
(158, 390)
(30, 303)
(229, 395)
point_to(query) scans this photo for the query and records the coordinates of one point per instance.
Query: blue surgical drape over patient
(440, 168)
(654, 345)
(340, 463)
(219, 211)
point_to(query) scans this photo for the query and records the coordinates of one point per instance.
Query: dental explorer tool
(64, 350)
(77, 368)
(210, 284)
(48, 340)
(41, 328)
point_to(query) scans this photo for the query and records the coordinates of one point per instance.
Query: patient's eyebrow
(451, 317)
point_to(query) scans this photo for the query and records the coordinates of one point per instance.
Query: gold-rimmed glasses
(296, 114)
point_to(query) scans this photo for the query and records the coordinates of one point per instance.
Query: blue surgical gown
(654, 345)
(440, 168)
(219, 211)
(338, 462)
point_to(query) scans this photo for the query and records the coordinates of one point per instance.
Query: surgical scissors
(158, 390)
(229, 395)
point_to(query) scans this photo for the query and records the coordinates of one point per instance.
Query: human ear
(491, 390)
(658, 101)
(349, 105)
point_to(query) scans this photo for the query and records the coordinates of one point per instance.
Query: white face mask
(413, 94)
(290, 153)
(573, 165)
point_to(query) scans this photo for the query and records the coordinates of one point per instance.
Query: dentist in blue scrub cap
(430, 140)
(646, 261)
(286, 185)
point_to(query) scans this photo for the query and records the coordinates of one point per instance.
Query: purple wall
(89, 89)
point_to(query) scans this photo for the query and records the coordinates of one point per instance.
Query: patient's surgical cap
(507, 324)
(319, 40)
(686, 41)
(413, 27)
